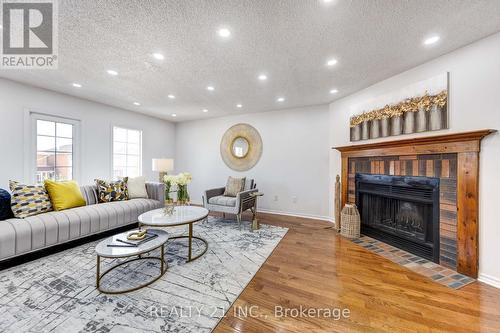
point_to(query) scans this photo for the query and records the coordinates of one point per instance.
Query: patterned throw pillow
(29, 200)
(112, 191)
(234, 186)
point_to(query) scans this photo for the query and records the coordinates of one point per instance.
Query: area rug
(433, 271)
(58, 294)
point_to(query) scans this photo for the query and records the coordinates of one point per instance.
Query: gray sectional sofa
(23, 236)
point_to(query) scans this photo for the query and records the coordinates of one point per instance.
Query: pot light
(158, 56)
(137, 104)
(210, 88)
(331, 62)
(431, 40)
(205, 110)
(334, 91)
(112, 72)
(171, 96)
(239, 106)
(77, 85)
(263, 77)
(224, 32)
(280, 99)
(174, 115)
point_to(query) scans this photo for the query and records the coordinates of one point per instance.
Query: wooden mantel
(467, 146)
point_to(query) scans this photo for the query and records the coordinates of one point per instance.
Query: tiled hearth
(433, 271)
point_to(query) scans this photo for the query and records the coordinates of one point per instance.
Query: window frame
(33, 117)
(127, 128)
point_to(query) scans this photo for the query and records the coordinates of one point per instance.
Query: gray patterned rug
(57, 293)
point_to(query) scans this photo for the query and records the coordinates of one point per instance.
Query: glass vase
(182, 195)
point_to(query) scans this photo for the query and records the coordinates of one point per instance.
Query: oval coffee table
(104, 251)
(182, 215)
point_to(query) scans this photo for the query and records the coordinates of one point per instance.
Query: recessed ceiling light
(174, 115)
(262, 77)
(280, 99)
(239, 106)
(112, 72)
(210, 88)
(77, 85)
(205, 110)
(158, 56)
(171, 96)
(224, 32)
(137, 104)
(334, 91)
(431, 40)
(331, 62)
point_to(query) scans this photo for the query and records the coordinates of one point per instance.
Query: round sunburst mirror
(241, 147)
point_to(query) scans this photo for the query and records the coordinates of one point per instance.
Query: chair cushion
(65, 194)
(29, 200)
(222, 200)
(234, 186)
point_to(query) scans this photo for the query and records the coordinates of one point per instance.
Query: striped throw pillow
(29, 200)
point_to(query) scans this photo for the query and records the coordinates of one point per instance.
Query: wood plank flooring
(315, 268)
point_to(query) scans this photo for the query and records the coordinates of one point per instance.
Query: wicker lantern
(350, 221)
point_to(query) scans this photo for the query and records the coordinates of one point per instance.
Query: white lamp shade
(163, 164)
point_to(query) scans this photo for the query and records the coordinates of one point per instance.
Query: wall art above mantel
(419, 107)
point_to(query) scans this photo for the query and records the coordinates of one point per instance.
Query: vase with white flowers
(169, 180)
(182, 181)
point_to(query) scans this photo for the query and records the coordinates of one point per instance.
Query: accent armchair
(215, 201)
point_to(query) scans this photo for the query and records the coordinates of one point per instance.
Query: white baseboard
(278, 212)
(307, 216)
(488, 279)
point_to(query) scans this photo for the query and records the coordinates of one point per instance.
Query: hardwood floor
(315, 268)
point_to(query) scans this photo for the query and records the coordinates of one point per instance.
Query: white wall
(294, 161)
(96, 123)
(474, 104)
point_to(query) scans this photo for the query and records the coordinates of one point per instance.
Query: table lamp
(163, 165)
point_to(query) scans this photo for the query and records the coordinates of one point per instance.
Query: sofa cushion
(64, 194)
(137, 187)
(112, 191)
(29, 200)
(222, 200)
(5, 209)
(18, 236)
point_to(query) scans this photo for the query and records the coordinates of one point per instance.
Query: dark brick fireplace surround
(454, 159)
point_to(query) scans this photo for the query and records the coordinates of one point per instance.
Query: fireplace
(401, 210)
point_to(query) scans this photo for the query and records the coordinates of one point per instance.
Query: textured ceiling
(289, 40)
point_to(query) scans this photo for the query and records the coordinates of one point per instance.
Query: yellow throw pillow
(64, 195)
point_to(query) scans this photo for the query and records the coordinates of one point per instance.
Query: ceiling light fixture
(280, 99)
(210, 88)
(171, 96)
(431, 40)
(137, 104)
(239, 106)
(331, 62)
(158, 56)
(77, 85)
(205, 110)
(263, 77)
(334, 91)
(224, 32)
(174, 115)
(112, 72)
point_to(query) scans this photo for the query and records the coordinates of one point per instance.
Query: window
(127, 152)
(55, 148)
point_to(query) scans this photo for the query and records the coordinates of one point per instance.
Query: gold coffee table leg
(190, 238)
(98, 277)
